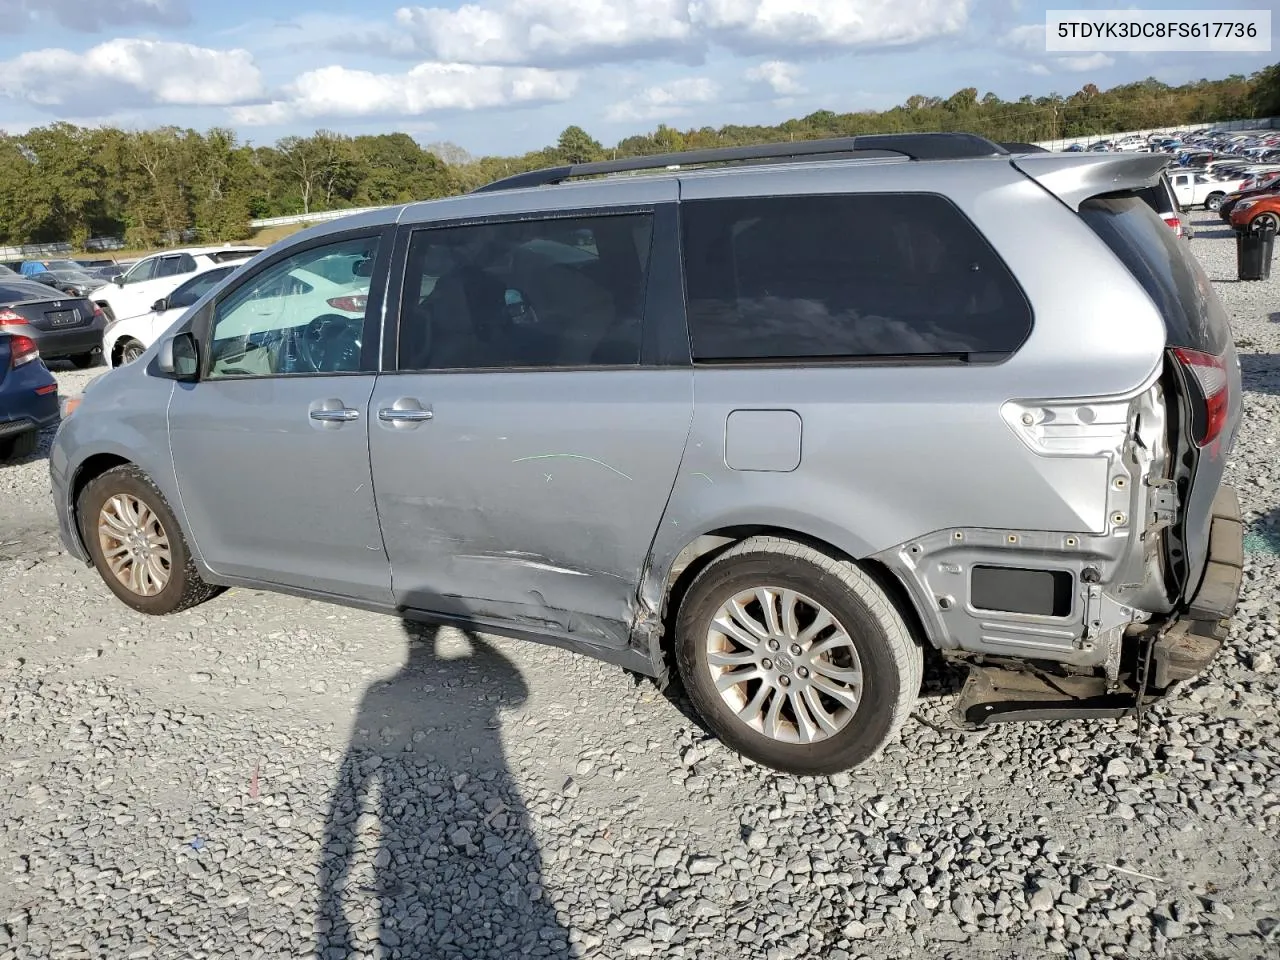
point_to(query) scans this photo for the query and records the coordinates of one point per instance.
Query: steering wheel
(328, 339)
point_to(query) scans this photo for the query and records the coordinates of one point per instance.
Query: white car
(292, 300)
(124, 340)
(132, 293)
(1199, 190)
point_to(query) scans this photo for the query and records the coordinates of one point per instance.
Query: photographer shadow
(428, 852)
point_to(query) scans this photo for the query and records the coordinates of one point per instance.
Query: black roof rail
(1024, 148)
(913, 146)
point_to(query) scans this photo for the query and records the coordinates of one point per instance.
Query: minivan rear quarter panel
(894, 451)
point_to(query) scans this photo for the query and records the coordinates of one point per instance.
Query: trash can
(1254, 248)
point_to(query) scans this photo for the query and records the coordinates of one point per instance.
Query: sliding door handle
(345, 415)
(392, 415)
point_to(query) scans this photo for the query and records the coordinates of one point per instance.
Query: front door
(523, 455)
(271, 445)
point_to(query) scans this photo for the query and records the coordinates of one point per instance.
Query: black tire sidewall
(130, 481)
(882, 679)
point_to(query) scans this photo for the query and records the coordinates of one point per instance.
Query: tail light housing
(9, 320)
(353, 303)
(1208, 374)
(1175, 224)
(22, 350)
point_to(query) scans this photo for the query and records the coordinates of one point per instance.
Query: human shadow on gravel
(1260, 372)
(428, 852)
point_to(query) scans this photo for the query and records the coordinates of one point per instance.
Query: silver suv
(780, 417)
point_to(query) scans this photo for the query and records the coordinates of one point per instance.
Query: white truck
(1199, 190)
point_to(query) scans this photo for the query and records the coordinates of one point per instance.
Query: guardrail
(319, 217)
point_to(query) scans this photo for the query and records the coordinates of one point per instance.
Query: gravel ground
(270, 777)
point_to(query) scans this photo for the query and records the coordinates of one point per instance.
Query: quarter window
(565, 292)
(845, 276)
(288, 319)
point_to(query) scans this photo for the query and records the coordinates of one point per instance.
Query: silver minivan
(773, 419)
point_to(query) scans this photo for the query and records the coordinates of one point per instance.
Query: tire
(1264, 218)
(890, 661)
(22, 445)
(1214, 200)
(83, 361)
(183, 587)
(129, 350)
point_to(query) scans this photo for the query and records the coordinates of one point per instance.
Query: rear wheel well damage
(705, 548)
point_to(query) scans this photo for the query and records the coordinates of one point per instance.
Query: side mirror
(160, 306)
(118, 280)
(179, 357)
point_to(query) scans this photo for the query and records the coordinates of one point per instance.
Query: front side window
(565, 292)
(851, 276)
(289, 319)
(197, 287)
(142, 270)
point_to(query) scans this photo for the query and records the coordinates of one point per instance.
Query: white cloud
(778, 76)
(665, 101)
(561, 32)
(1027, 41)
(428, 87)
(1094, 61)
(90, 16)
(546, 31)
(759, 25)
(127, 72)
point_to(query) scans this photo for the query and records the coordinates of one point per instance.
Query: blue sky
(505, 76)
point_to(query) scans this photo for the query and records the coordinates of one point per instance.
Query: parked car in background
(1200, 190)
(61, 326)
(73, 280)
(28, 396)
(1160, 198)
(124, 341)
(158, 275)
(569, 407)
(1262, 185)
(1254, 211)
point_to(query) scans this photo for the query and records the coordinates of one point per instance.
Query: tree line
(68, 183)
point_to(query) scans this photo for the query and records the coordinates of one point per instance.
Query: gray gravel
(269, 777)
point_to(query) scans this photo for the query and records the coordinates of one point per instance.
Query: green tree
(576, 146)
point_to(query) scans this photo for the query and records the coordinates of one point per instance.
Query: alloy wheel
(135, 545)
(784, 665)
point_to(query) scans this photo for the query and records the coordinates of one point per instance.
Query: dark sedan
(28, 396)
(73, 281)
(61, 326)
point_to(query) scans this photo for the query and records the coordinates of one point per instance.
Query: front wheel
(130, 351)
(136, 545)
(795, 659)
(1214, 201)
(1266, 219)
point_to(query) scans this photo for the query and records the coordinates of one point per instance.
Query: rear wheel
(795, 659)
(136, 545)
(23, 445)
(1214, 201)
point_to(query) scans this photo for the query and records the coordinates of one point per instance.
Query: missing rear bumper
(1009, 690)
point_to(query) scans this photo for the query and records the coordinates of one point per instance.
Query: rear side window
(849, 276)
(1173, 278)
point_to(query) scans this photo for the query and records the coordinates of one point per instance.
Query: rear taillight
(22, 350)
(1209, 375)
(9, 319)
(1175, 223)
(352, 304)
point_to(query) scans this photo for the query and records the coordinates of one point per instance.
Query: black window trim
(982, 360)
(664, 335)
(370, 339)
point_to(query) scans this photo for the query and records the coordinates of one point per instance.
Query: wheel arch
(700, 550)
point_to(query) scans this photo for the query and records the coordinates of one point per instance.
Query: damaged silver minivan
(777, 418)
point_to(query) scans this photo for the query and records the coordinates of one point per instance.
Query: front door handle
(405, 412)
(345, 415)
